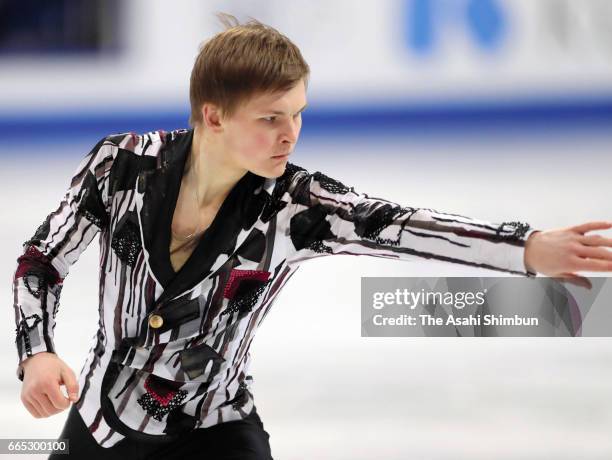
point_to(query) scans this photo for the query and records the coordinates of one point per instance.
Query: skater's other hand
(44, 373)
(561, 252)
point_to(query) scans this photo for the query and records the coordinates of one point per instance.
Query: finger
(594, 265)
(71, 383)
(590, 226)
(50, 407)
(46, 405)
(595, 240)
(31, 408)
(39, 407)
(58, 400)
(594, 253)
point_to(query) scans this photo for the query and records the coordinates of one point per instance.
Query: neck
(214, 172)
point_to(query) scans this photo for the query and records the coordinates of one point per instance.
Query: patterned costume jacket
(172, 349)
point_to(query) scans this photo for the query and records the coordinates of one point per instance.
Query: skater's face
(265, 126)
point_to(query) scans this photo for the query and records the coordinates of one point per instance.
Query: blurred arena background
(496, 109)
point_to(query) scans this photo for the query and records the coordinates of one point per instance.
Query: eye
(269, 119)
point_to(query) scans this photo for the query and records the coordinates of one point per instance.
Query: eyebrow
(276, 112)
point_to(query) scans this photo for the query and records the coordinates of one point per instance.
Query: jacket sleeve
(328, 217)
(55, 246)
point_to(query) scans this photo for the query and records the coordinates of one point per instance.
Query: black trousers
(240, 439)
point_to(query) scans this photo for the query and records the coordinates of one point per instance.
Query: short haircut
(240, 62)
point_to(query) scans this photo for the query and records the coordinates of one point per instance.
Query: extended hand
(561, 252)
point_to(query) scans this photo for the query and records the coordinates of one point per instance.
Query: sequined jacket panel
(171, 352)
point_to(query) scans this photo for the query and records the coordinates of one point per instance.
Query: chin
(271, 172)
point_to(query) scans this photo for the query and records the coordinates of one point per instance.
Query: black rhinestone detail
(241, 397)
(291, 169)
(519, 229)
(318, 246)
(126, 243)
(161, 396)
(157, 410)
(41, 232)
(96, 220)
(244, 303)
(331, 185)
(23, 330)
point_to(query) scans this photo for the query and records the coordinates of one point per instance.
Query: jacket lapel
(157, 194)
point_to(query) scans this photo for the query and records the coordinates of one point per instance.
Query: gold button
(155, 321)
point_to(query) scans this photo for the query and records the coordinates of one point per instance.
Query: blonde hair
(243, 60)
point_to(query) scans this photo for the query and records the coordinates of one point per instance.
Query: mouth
(280, 157)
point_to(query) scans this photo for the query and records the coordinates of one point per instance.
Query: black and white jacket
(172, 349)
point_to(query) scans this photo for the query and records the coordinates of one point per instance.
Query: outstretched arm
(327, 217)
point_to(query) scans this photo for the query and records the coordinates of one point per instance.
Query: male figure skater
(199, 229)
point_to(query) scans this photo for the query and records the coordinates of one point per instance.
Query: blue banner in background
(484, 21)
(548, 118)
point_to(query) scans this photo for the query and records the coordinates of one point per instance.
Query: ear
(212, 117)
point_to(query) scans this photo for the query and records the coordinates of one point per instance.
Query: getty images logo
(483, 21)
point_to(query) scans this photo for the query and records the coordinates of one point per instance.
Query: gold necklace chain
(197, 197)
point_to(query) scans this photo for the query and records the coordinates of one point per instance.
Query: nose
(292, 131)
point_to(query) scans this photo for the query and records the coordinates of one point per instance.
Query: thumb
(71, 383)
